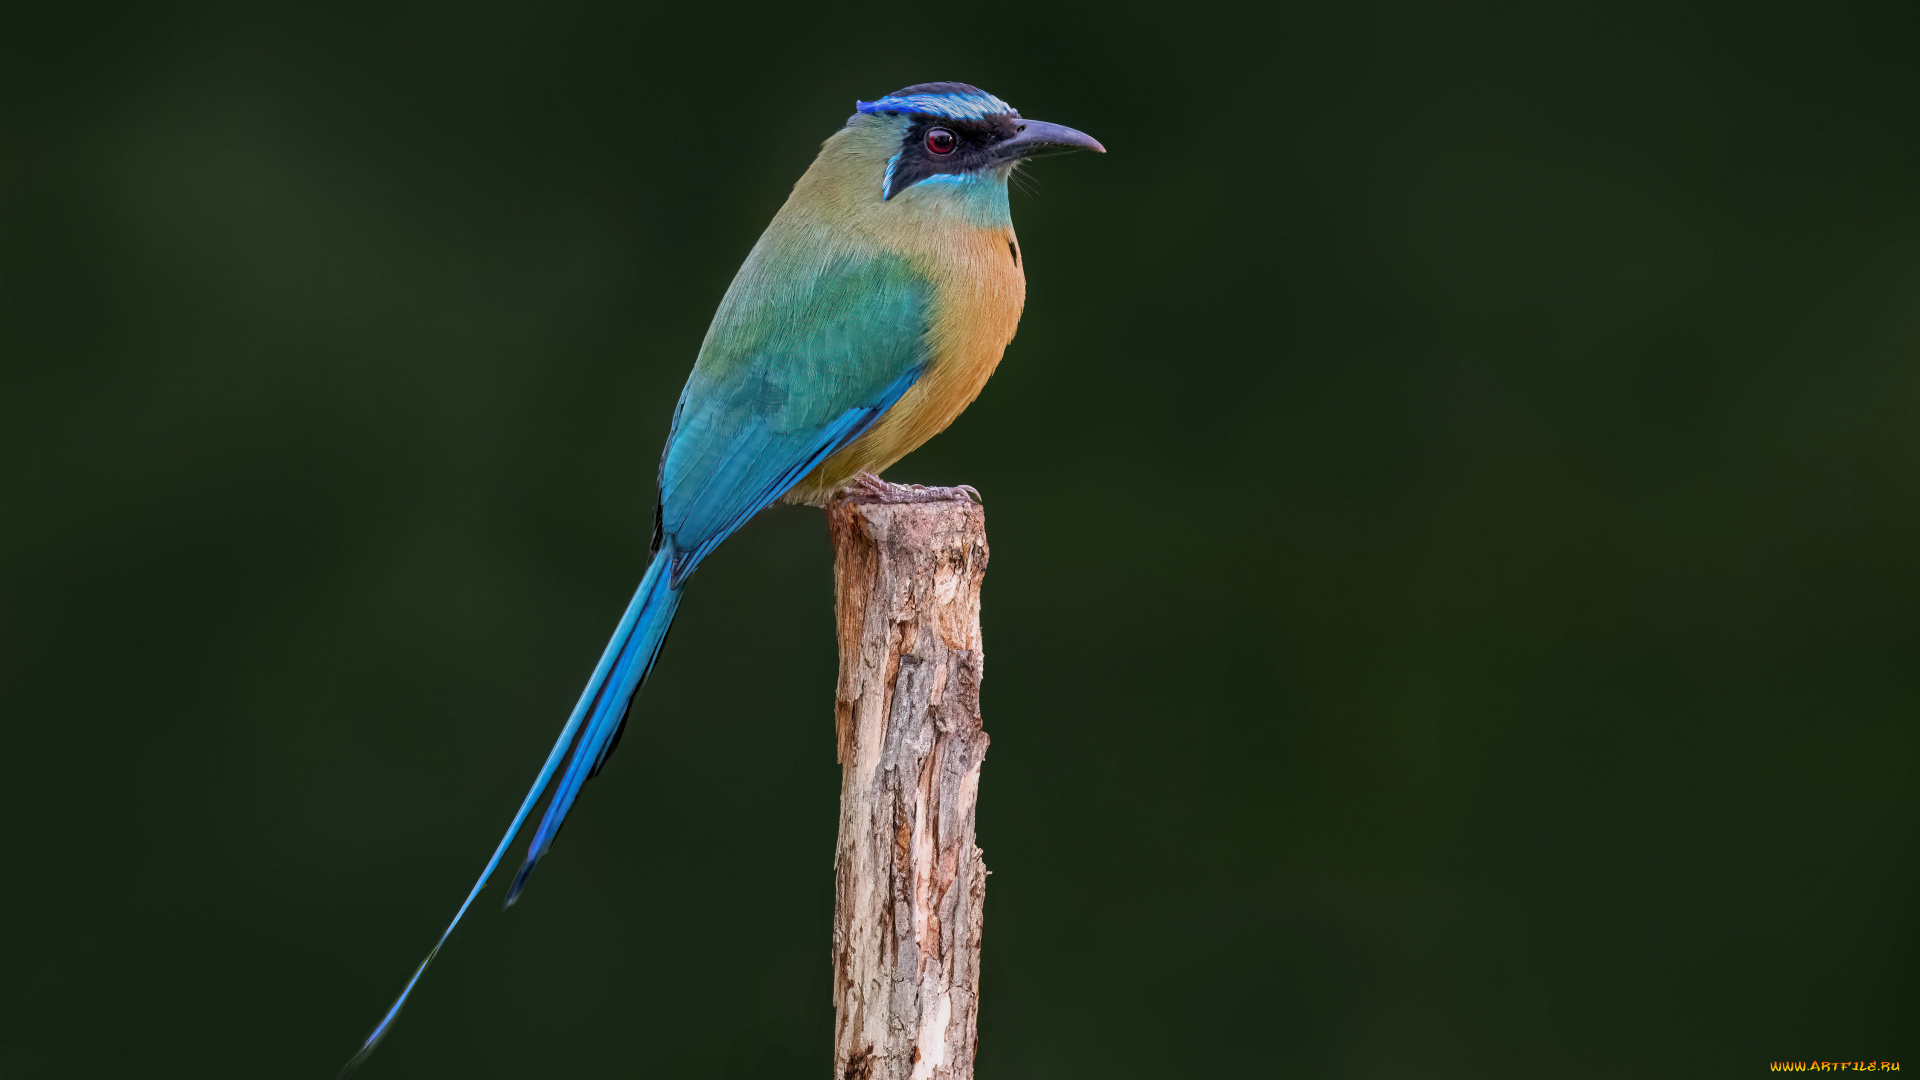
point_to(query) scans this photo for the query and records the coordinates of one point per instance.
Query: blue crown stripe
(949, 106)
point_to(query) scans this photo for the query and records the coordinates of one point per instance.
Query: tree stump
(909, 882)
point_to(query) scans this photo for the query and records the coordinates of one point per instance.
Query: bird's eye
(941, 141)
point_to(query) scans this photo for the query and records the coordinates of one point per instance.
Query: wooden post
(909, 882)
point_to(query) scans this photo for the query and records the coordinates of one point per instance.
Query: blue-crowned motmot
(870, 313)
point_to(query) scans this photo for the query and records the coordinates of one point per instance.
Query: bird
(869, 314)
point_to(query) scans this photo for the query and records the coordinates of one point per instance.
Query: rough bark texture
(909, 881)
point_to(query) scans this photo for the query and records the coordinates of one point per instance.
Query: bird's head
(947, 142)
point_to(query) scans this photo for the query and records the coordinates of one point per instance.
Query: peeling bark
(909, 882)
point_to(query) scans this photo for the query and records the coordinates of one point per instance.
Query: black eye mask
(974, 150)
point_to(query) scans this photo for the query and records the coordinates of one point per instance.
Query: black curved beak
(1037, 138)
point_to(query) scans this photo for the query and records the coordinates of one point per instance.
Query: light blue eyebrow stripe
(949, 106)
(886, 182)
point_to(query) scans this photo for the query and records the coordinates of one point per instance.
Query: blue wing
(797, 365)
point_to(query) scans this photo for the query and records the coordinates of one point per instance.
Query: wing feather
(787, 376)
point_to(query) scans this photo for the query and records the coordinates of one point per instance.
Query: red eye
(941, 141)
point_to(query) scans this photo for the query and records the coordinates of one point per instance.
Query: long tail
(591, 732)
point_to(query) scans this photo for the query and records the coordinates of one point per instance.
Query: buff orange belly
(979, 290)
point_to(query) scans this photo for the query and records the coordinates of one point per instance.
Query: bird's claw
(872, 487)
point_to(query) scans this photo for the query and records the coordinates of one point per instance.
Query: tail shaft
(589, 732)
(630, 668)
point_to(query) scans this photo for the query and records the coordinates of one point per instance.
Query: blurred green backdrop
(1454, 603)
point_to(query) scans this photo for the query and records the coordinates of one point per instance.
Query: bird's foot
(868, 486)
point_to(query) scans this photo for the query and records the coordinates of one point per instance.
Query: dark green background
(1455, 597)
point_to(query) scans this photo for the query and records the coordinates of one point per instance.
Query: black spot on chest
(1013, 251)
